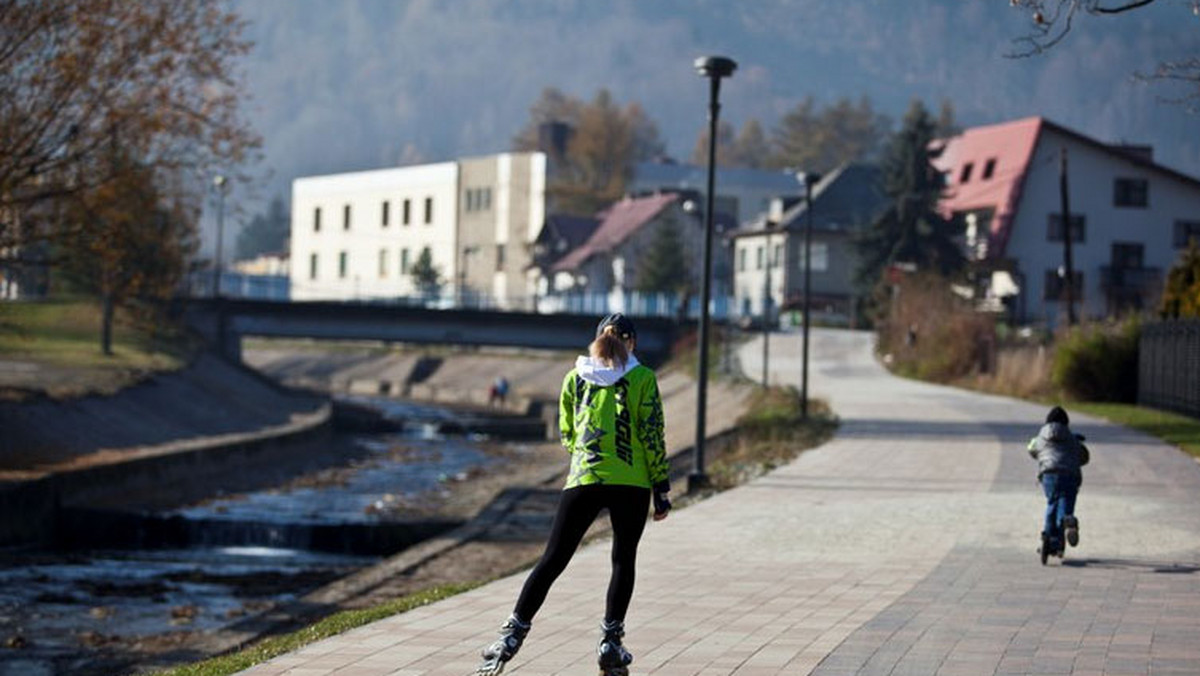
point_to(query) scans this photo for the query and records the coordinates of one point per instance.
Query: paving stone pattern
(905, 546)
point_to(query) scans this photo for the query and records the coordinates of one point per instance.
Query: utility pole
(1068, 268)
(766, 328)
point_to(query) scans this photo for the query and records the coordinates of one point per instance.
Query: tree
(750, 148)
(663, 267)
(946, 125)
(911, 230)
(131, 242)
(79, 76)
(1181, 297)
(724, 149)
(821, 140)
(1053, 19)
(426, 276)
(605, 142)
(265, 233)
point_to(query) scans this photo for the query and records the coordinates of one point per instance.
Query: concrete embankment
(176, 437)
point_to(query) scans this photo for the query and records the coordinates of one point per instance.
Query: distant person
(611, 420)
(500, 389)
(1061, 455)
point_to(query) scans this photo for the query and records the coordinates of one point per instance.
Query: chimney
(553, 138)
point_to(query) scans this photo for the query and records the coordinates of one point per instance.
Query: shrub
(1099, 362)
(932, 333)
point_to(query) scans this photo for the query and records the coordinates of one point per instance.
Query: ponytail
(608, 348)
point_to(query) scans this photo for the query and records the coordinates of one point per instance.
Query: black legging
(577, 509)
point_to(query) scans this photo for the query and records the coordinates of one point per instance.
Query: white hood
(597, 373)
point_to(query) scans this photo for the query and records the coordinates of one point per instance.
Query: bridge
(225, 322)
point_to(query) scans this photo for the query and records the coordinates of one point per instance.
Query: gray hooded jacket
(1058, 450)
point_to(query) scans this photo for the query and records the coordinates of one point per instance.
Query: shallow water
(61, 611)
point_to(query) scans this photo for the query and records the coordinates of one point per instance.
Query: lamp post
(714, 68)
(808, 179)
(772, 219)
(219, 182)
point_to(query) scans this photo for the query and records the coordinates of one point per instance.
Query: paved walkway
(904, 546)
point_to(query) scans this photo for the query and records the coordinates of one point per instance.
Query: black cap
(622, 324)
(1057, 415)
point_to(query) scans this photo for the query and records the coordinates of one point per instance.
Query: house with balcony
(1128, 217)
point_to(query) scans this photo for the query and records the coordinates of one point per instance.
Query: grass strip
(333, 625)
(1173, 428)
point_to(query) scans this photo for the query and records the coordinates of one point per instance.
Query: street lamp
(808, 179)
(219, 181)
(714, 68)
(774, 218)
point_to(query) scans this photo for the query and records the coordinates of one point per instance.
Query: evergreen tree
(1181, 297)
(426, 276)
(911, 230)
(663, 268)
(265, 233)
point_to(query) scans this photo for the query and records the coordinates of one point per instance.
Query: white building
(1130, 217)
(357, 235)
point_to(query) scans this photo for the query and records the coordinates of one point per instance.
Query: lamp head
(808, 178)
(219, 181)
(715, 66)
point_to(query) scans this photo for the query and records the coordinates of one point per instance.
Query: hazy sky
(361, 84)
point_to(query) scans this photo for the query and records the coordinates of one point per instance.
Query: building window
(989, 168)
(407, 211)
(818, 253)
(470, 205)
(382, 263)
(312, 266)
(1131, 192)
(965, 175)
(1054, 230)
(499, 258)
(346, 217)
(317, 219)
(428, 209)
(1184, 231)
(742, 259)
(343, 263)
(404, 261)
(1055, 289)
(758, 257)
(385, 214)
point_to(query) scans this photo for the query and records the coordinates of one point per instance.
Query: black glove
(661, 504)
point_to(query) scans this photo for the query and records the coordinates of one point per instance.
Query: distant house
(1129, 216)
(561, 234)
(844, 202)
(609, 259)
(740, 193)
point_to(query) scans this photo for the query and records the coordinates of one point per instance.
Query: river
(105, 610)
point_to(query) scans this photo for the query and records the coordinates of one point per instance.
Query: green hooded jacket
(611, 420)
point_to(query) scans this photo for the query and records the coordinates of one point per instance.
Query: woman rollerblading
(611, 420)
